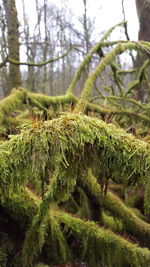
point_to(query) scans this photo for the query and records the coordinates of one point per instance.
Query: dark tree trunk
(143, 11)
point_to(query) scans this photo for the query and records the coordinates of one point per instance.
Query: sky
(111, 13)
(107, 13)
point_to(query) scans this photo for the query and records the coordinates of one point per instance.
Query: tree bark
(13, 42)
(143, 12)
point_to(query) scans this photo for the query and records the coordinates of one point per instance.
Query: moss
(131, 222)
(14, 125)
(61, 151)
(132, 85)
(44, 101)
(20, 106)
(123, 113)
(32, 64)
(135, 200)
(65, 139)
(95, 245)
(59, 251)
(88, 58)
(112, 223)
(118, 189)
(84, 211)
(11, 103)
(106, 60)
(101, 246)
(119, 250)
(21, 208)
(6, 249)
(107, 34)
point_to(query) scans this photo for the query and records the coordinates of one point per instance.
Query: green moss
(97, 245)
(11, 107)
(101, 246)
(11, 103)
(131, 222)
(118, 189)
(21, 208)
(112, 223)
(6, 249)
(88, 58)
(84, 209)
(44, 101)
(69, 145)
(65, 139)
(123, 113)
(58, 247)
(106, 60)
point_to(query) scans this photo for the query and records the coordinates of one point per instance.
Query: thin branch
(142, 45)
(133, 101)
(88, 57)
(40, 64)
(111, 111)
(107, 60)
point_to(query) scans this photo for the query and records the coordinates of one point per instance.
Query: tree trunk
(13, 42)
(143, 11)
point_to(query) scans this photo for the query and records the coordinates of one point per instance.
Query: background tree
(13, 42)
(60, 33)
(143, 11)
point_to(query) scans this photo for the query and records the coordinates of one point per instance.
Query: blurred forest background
(47, 30)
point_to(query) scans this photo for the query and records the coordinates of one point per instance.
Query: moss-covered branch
(140, 77)
(24, 157)
(52, 158)
(124, 99)
(47, 101)
(32, 64)
(132, 223)
(107, 34)
(124, 72)
(92, 239)
(108, 59)
(88, 57)
(116, 111)
(20, 99)
(101, 246)
(14, 101)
